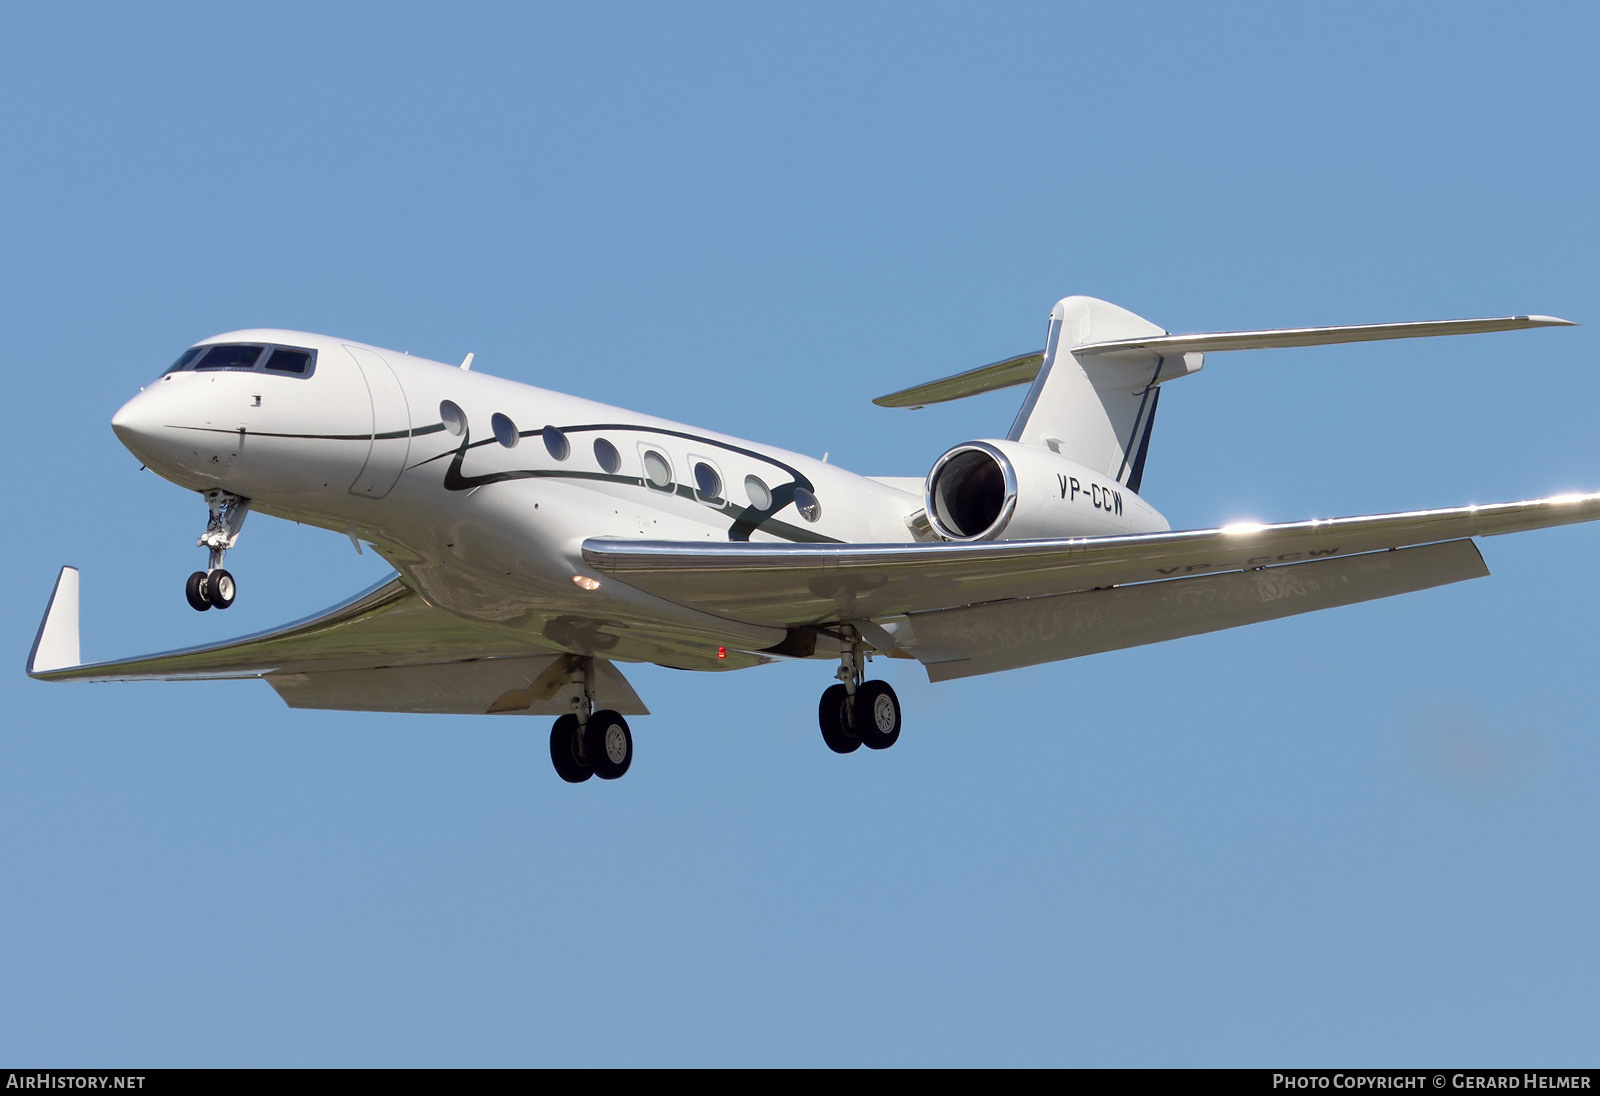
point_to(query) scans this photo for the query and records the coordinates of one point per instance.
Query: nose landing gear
(214, 588)
(856, 712)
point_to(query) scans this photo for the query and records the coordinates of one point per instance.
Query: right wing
(383, 650)
(792, 585)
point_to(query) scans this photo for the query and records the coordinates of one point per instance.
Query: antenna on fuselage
(466, 362)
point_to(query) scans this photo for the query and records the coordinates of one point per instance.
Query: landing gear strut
(214, 588)
(857, 712)
(585, 742)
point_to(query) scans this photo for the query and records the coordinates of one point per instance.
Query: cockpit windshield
(246, 358)
(238, 356)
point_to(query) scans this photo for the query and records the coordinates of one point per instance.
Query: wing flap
(501, 686)
(792, 585)
(1010, 634)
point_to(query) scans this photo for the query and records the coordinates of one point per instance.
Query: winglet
(56, 645)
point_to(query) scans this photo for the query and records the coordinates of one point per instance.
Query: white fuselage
(410, 455)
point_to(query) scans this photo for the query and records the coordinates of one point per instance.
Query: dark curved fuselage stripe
(746, 519)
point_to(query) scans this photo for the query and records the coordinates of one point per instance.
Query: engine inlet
(972, 492)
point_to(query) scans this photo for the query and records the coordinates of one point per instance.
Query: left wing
(793, 585)
(384, 650)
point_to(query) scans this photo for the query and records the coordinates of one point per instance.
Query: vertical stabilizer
(1098, 408)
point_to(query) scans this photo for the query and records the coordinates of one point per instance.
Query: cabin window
(556, 443)
(707, 484)
(505, 431)
(607, 457)
(757, 491)
(454, 419)
(807, 505)
(657, 470)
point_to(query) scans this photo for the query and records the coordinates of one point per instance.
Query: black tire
(832, 717)
(195, 591)
(608, 744)
(564, 751)
(877, 715)
(220, 589)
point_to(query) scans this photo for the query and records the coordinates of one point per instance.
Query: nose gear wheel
(195, 591)
(214, 588)
(220, 589)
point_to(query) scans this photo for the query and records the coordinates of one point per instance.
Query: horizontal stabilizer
(1023, 368)
(986, 378)
(1284, 338)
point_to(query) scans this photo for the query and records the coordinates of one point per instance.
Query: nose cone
(172, 428)
(155, 427)
(138, 426)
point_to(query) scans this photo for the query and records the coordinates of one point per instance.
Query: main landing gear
(585, 742)
(214, 588)
(856, 712)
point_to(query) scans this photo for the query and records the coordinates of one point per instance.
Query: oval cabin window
(505, 431)
(657, 470)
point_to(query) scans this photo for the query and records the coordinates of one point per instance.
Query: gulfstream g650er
(541, 539)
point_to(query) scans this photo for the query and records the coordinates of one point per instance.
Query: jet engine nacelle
(1003, 490)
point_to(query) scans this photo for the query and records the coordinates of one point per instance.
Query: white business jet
(540, 539)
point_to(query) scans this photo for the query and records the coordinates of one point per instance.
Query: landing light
(584, 582)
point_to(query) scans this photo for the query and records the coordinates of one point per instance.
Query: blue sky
(1363, 836)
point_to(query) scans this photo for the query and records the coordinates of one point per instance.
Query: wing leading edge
(383, 650)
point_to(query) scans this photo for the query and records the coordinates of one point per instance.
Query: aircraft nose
(145, 424)
(135, 422)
